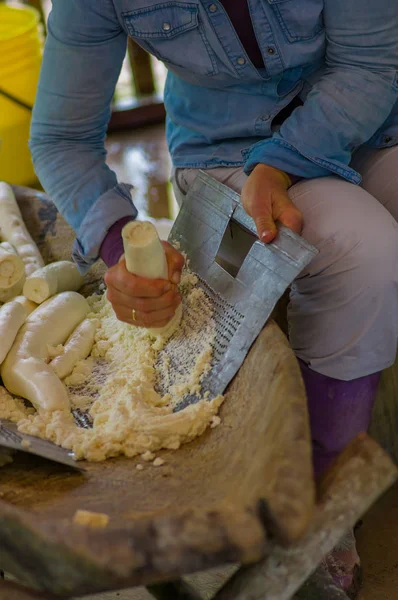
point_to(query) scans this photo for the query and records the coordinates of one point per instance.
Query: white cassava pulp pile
(117, 386)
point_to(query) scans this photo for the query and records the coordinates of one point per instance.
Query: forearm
(73, 173)
(83, 55)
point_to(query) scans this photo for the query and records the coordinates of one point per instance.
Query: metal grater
(242, 277)
(217, 235)
(12, 439)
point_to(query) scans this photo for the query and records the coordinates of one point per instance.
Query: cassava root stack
(57, 277)
(26, 371)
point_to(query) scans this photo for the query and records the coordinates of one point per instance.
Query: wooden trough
(241, 493)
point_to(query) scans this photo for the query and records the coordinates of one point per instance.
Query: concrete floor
(140, 157)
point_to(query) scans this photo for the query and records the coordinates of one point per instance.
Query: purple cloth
(240, 17)
(339, 411)
(295, 179)
(112, 246)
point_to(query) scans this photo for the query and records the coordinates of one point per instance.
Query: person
(293, 104)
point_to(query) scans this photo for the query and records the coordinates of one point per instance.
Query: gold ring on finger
(133, 315)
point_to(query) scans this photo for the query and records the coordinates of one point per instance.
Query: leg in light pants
(343, 311)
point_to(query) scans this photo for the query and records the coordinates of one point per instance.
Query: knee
(357, 238)
(368, 255)
(343, 306)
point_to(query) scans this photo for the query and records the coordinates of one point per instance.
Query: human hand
(153, 300)
(265, 199)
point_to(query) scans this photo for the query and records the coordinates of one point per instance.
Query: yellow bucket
(20, 59)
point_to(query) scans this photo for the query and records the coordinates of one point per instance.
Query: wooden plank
(139, 114)
(13, 591)
(141, 66)
(158, 197)
(216, 500)
(174, 590)
(359, 476)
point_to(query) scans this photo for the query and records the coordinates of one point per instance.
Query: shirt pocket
(299, 21)
(174, 33)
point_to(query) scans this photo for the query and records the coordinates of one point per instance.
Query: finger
(256, 201)
(293, 219)
(157, 325)
(287, 213)
(142, 304)
(119, 278)
(175, 262)
(143, 319)
(265, 224)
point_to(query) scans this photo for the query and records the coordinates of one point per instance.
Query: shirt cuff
(112, 206)
(277, 152)
(112, 247)
(294, 179)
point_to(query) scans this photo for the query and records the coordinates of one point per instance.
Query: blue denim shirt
(339, 56)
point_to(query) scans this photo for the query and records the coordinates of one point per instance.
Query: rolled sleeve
(115, 204)
(277, 152)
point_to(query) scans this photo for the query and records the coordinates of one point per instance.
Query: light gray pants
(343, 311)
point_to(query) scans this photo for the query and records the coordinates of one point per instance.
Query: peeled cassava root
(12, 292)
(28, 304)
(145, 257)
(25, 371)
(76, 348)
(8, 293)
(12, 268)
(57, 277)
(13, 230)
(12, 317)
(144, 252)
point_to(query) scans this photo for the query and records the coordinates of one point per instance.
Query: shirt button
(213, 8)
(271, 50)
(387, 139)
(266, 118)
(166, 26)
(241, 61)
